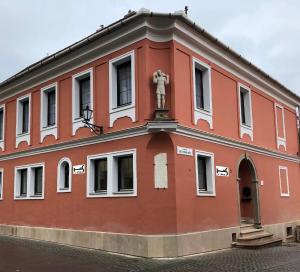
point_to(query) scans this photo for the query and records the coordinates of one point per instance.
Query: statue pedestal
(161, 115)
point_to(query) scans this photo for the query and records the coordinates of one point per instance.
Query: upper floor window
(280, 126)
(23, 119)
(49, 111)
(112, 174)
(202, 92)
(122, 87)
(29, 182)
(245, 110)
(205, 177)
(82, 92)
(64, 175)
(2, 123)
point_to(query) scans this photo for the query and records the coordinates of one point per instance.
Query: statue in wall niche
(161, 80)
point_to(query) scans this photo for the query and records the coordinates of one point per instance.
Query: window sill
(206, 193)
(51, 130)
(64, 190)
(35, 197)
(24, 137)
(121, 108)
(126, 111)
(115, 194)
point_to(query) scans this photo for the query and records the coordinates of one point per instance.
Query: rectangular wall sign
(222, 171)
(184, 151)
(79, 169)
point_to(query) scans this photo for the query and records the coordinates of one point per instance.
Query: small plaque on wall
(222, 171)
(184, 151)
(79, 169)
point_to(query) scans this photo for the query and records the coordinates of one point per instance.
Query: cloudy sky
(266, 32)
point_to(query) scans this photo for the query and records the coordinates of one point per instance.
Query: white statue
(161, 80)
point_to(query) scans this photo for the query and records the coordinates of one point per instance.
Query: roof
(129, 18)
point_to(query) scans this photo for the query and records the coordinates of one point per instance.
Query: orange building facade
(227, 154)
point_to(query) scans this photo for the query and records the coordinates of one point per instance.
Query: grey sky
(266, 32)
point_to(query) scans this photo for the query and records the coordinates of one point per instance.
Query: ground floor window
(112, 174)
(284, 181)
(29, 182)
(64, 175)
(205, 177)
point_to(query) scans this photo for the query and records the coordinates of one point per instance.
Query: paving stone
(24, 255)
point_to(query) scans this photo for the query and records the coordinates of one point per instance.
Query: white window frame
(281, 141)
(245, 129)
(20, 137)
(48, 130)
(123, 111)
(112, 175)
(76, 120)
(2, 142)
(205, 114)
(60, 188)
(210, 171)
(30, 182)
(287, 181)
(1, 187)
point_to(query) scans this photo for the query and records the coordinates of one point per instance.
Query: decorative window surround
(116, 112)
(281, 141)
(20, 137)
(210, 173)
(48, 130)
(2, 140)
(284, 169)
(246, 128)
(60, 176)
(1, 183)
(112, 175)
(76, 119)
(30, 182)
(207, 112)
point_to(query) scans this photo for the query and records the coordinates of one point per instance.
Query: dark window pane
(66, 169)
(199, 89)
(25, 116)
(23, 182)
(202, 177)
(51, 108)
(38, 180)
(100, 175)
(84, 94)
(125, 173)
(124, 84)
(1, 124)
(243, 114)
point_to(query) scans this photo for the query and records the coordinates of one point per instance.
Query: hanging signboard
(79, 169)
(222, 171)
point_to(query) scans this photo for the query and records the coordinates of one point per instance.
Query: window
(245, 109)
(112, 174)
(1, 184)
(280, 126)
(23, 120)
(284, 181)
(29, 182)
(64, 175)
(100, 168)
(82, 91)
(202, 92)
(2, 124)
(49, 111)
(121, 87)
(205, 177)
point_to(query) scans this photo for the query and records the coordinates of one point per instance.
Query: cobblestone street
(18, 255)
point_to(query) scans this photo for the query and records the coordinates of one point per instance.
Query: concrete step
(256, 236)
(247, 226)
(254, 244)
(250, 231)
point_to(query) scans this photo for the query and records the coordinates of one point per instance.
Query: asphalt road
(18, 255)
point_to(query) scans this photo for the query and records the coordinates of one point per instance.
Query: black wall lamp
(87, 115)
